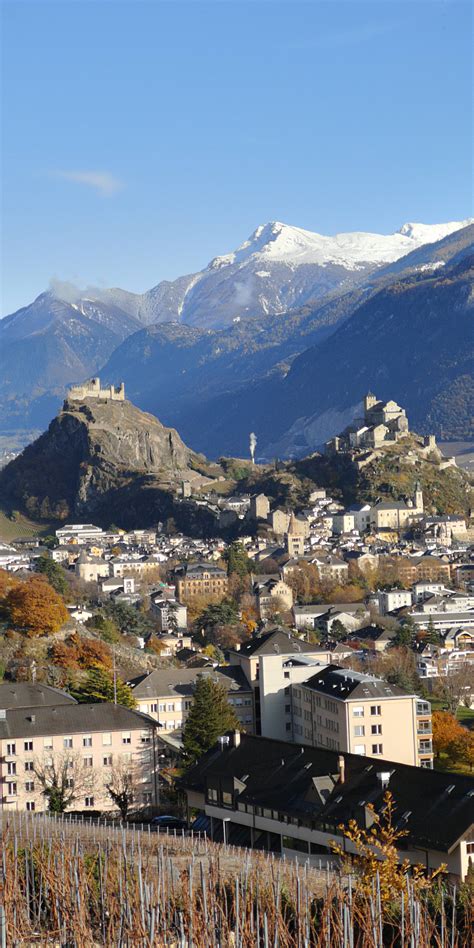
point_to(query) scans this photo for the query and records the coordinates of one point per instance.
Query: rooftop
(436, 808)
(344, 683)
(71, 719)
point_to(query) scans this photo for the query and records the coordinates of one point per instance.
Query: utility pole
(115, 677)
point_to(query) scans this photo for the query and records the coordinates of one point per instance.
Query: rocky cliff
(101, 459)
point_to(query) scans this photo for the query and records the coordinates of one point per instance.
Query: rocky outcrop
(97, 459)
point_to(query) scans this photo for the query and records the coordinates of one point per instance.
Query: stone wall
(92, 389)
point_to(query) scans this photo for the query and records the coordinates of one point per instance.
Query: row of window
(375, 710)
(377, 749)
(359, 729)
(68, 742)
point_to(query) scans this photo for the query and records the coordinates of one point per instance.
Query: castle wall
(92, 389)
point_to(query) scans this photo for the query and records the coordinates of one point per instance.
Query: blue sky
(141, 139)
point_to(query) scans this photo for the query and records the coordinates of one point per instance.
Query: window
(67, 742)
(287, 708)
(147, 798)
(212, 795)
(162, 707)
(107, 760)
(145, 737)
(226, 798)
(30, 786)
(470, 849)
(11, 791)
(288, 726)
(359, 730)
(11, 750)
(69, 783)
(377, 749)
(286, 674)
(29, 765)
(376, 729)
(11, 768)
(87, 762)
(87, 741)
(48, 743)
(358, 712)
(375, 709)
(359, 749)
(88, 801)
(154, 707)
(28, 746)
(106, 739)
(30, 805)
(126, 737)
(170, 706)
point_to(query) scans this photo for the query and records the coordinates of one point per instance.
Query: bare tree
(64, 779)
(122, 786)
(456, 687)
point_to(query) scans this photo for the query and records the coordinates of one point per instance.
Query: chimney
(235, 738)
(32, 718)
(341, 766)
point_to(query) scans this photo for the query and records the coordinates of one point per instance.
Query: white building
(391, 599)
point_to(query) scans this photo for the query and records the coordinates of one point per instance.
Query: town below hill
(297, 630)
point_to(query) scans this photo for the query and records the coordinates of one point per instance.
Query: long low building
(290, 799)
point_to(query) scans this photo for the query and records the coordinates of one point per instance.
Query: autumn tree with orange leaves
(33, 607)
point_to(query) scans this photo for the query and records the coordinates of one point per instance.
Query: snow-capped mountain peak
(285, 243)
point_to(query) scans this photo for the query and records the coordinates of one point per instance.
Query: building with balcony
(348, 711)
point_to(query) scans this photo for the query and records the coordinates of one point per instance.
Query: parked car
(169, 822)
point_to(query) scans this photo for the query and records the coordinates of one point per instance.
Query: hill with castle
(104, 459)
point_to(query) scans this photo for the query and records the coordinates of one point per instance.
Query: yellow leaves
(377, 854)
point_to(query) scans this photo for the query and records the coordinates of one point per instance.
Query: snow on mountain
(279, 268)
(277, 241)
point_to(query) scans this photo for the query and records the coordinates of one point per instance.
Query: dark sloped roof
(344, 683)
(26, 694)
(71, 719)
(435, 807)
(164, 682)
(276, 641)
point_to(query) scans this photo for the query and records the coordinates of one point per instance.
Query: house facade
(90, 739)
(348, 711)
(291, 799)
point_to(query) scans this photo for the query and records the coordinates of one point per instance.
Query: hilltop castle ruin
(92, 389)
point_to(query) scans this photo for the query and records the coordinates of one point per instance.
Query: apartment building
(291, 799)
(201, 579)
(348, 711)
(391, 599)
(167, 694)
(268, 687)
(90, 739)
(28, 694)
(272, 592)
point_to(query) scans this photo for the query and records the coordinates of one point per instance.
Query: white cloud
(103, 182)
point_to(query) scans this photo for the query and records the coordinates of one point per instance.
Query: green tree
(404, 636)
(99, 686)
(215, 616)
(106, 628)
(338, 631)
(238, 560)
(54, 574)
(210, 716)
(432, 635)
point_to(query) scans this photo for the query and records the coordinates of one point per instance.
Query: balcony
(425, 747)
(424, 731)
